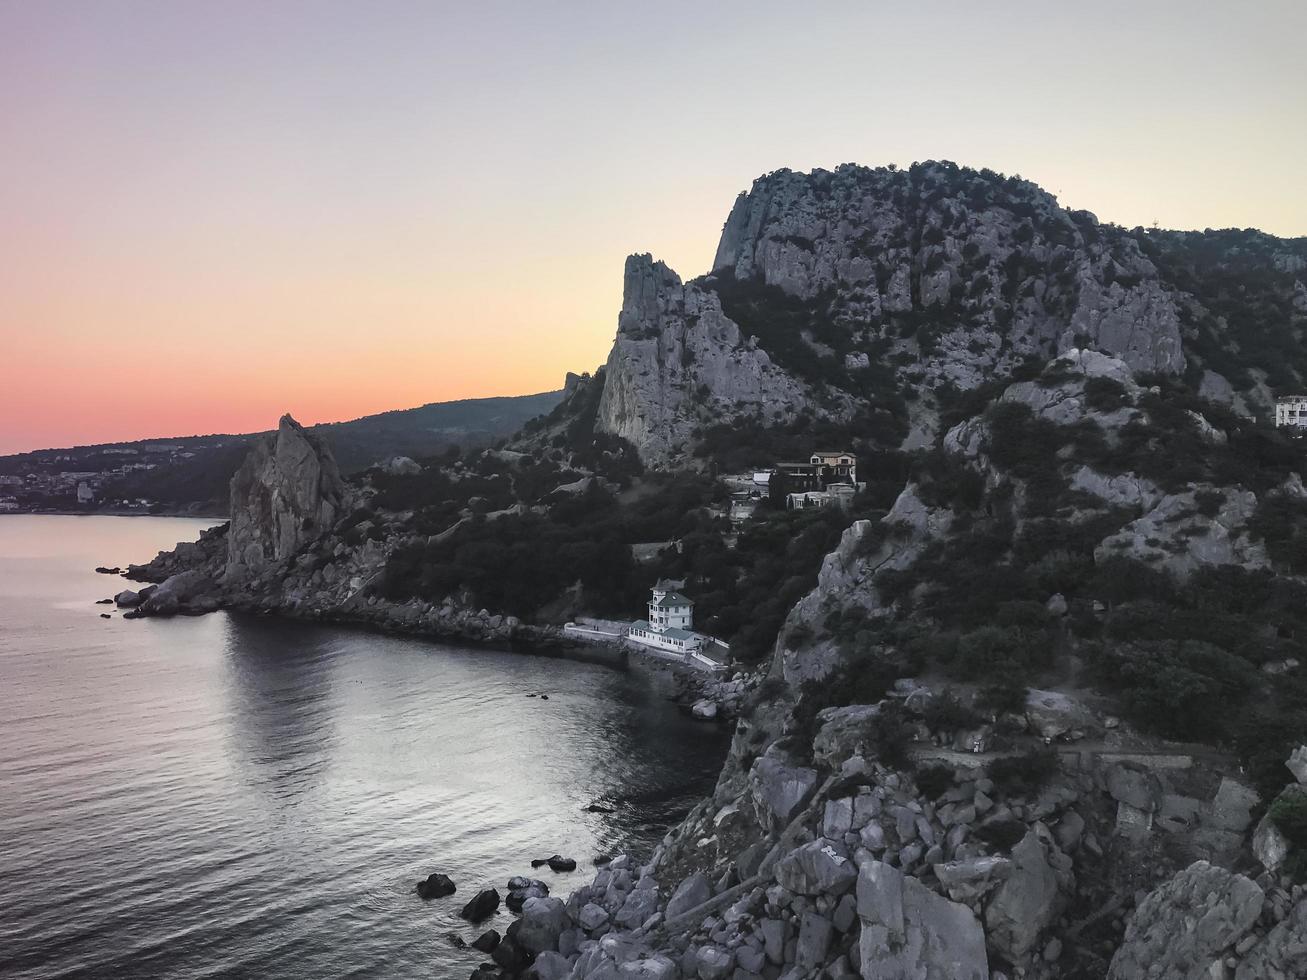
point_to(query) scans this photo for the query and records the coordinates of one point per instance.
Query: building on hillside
(836, 495)
(1291, 412)
(817, 472)
(836, 467)
(670, 628)
(795, 478)
(743, 507)
(85, 495)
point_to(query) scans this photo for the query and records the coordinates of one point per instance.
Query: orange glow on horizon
(217, 213)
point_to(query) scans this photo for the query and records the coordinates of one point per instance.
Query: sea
(244, 796)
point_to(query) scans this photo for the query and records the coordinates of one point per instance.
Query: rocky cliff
(679, 363)
(1053, 662)
(999, 261)
(287, 492)
(833, 287)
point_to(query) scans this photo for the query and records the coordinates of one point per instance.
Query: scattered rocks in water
(128, 599)
(599, 808)
(556, 863)
(115, 570)
(511, 956)
(520, 889)
(105, 616)
(436, 885)
(455, 940)
(487, 941)
(544, 697)
(484, 904)
(104, 602)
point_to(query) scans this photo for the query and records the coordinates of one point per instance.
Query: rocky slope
(1056, 669)
(679, 362)
(832, 287)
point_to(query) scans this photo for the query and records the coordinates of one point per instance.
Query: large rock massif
(885, 826)
(928, 276)
(287, 493)
(678, 362)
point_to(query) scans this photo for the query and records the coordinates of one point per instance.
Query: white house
(837, 465)
(670, 625)
(1291, 411)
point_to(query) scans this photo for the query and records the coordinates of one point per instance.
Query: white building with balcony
(1291, 412)
(670, 625)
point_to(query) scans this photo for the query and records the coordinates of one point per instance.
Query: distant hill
(431, 429)
(191, 473)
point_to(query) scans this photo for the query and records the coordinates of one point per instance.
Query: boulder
(973, 878)
(779, 788)
(175, 591)
(555, 862)
(639, 905)
(520, 889)
(487, 941)
(550, 966)
(713, 963)
(483, 905)
(436, 885)
(1282, 953)
(1270, 846)
(511, 956)
(543, 921)
(814, 941)
(1027, 901)
(908, 931)
(1297, 764)
(837, 820)
(127, 599)
(1180, 930)
(1232, 808)
(820, 867)
(656, 967)
(704, 709)
(842, 732)
(592, 917)
(1134, 786)
(401, 466)
(692, 892)
(1052, 715)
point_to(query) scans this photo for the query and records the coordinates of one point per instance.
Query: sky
(212, 213)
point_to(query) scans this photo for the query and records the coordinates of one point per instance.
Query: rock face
(998, 268)
(852, 230)
(1026, 902)
(287, 493)
(1282, 953)
(1174, 536)
(679, 362)
(909, 931)
(1183, 927)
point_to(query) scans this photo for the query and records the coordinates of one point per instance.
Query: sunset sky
(217, 212)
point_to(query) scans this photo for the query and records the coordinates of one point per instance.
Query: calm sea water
(230, 796)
